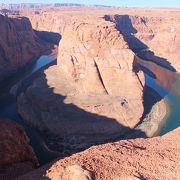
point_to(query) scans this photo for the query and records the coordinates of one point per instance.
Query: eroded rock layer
(93, 94)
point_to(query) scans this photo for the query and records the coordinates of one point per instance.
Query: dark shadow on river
(64, 121)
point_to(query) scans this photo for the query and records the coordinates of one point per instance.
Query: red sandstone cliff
(155, 29)
(18, 44)
(90, 98)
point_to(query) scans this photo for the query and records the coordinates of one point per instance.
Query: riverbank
(15, 76)
(154, 105)
(152, 122)
(156, 109)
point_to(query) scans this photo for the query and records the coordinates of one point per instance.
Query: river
(167, 84)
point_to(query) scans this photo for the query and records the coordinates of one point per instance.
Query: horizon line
(116, 6)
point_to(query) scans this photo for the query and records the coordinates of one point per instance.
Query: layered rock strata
(155, 30)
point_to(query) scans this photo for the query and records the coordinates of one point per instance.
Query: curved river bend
(172, 99)
(168, 87)
(8, 110)
(167, 84)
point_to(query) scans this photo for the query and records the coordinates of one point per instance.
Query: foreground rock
(16, 155)
(156, 158)
(18, 45)
(93, 94)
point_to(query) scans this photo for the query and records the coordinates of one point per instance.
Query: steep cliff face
(93, 90)
(51, 21)
(157, 34)
(154, 158)
(16, 155)
(96, 56)
(18, 44)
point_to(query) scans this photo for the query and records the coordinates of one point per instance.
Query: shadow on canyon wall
(156, 67)
(125, 26)
(74, 119)
(50, 37)
(150, 56)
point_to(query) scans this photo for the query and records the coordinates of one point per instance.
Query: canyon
(94, 107)
(143, 29)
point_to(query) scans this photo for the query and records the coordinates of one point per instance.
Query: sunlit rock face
(18, 44)
(93, 94)
(155, 29)
(16, 155)
(97, 59)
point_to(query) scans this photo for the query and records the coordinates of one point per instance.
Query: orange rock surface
(152, 159)
(94, 95)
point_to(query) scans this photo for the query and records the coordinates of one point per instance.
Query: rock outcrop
(153, 158)
(93, 94)
(18, 44)
(16, 155)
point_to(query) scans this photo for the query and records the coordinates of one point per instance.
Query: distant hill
(22, 5)
(40, 5)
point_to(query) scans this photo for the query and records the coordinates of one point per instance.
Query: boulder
(16, 155)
